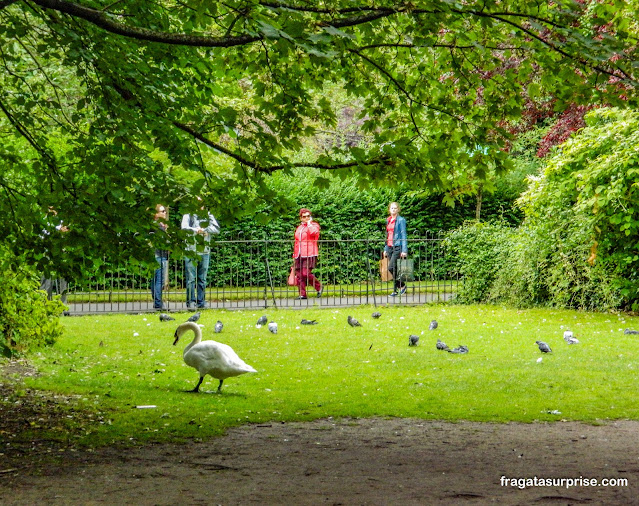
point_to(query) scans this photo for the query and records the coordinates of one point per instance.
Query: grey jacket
(210, 225)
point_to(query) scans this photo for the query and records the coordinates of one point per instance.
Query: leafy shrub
(539, 271)
(586, 207)
(577, 246)
(27, 319)
(479, 250)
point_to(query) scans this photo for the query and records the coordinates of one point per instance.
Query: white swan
(210, 357)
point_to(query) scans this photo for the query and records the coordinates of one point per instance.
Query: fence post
(370, 279)
(270, 277)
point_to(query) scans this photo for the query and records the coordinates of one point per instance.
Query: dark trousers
(304, 271)
(158, 281)
(393, 254)
(59, 284)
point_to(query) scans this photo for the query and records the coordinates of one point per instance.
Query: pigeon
(194, 318)
(433, 325)
(628, 331)
(273, 327)
(376, 315)
(460, 349)
(308, 322)
(441, 346)
(218, 327)
(353, 322)
(261, 321)
(543, 347)
(165, 317)
(569, 338)
(413, 340)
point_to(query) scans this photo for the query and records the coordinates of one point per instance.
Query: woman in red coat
(305, 253)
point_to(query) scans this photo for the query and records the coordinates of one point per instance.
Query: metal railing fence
(253, 274)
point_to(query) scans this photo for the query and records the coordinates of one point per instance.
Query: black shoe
(302, 297)
(204, 305)
(321, 291)
(190, 305)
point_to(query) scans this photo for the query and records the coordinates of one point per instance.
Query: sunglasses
(306, 216)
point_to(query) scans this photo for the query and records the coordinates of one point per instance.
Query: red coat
(306, 236)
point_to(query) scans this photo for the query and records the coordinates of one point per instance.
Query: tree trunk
(480, 194)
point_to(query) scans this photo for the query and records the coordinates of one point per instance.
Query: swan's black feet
(194, 391)
(197, 387)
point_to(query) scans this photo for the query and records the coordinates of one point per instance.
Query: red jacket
(306, 236)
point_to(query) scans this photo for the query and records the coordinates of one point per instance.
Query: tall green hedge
(346, 210)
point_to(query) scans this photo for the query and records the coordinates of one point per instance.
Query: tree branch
(105, 22)
(273, 168)
(47, 157)
(395, 45)
(583, 61)
(401, 88)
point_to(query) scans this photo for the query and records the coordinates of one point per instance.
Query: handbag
(292, 278)
(405, 269)
(384, 273)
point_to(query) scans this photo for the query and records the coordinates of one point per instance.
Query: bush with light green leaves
(27, 319)
(584, 211)
(578, 245)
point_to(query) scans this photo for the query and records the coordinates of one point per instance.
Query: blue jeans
(158, 281)
(202, 269)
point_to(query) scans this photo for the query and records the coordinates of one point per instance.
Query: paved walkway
(292, 303)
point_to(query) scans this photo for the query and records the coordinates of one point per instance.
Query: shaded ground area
(346, 461)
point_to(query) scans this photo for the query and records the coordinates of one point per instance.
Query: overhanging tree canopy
(108, 106)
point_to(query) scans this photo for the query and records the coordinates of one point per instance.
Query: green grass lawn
(113, 363)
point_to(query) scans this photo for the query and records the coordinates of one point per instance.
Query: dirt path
(371, 461)
(346, 461)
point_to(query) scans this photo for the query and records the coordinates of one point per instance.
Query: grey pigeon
(308, 322)
(441, 346)
(261, 321)
(218, 327)
(569, 338)
(543, 347)
(194, 318)
(273, 327)
(413, 340)
(433, 325)
(628, 331)
(165, 317)
(376, 315)
(460, 349)
(353, 322)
